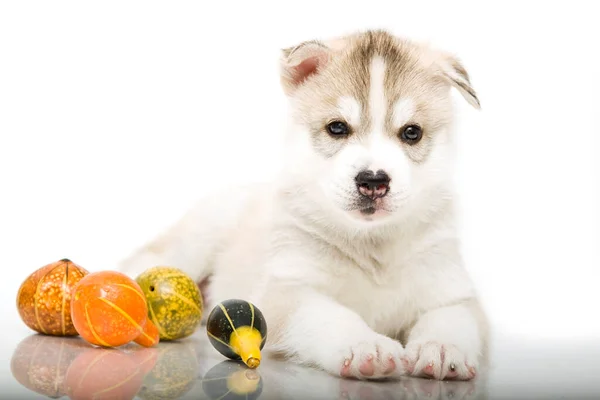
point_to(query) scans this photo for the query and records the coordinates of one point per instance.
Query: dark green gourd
(238, 330)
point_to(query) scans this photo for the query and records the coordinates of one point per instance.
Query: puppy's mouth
(371, 207)
(368, 211)
(366, 208)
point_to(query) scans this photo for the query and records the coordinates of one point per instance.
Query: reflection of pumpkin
(44, 298)
(40, 362)
(109, 309)
(174, 374)
(108, 374)
(174, 301)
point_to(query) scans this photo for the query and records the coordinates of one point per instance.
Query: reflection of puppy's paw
(408, 388)
(353, 389)
(438, 361)
(434, 389)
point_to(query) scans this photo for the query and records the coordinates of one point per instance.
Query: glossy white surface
(192, 369)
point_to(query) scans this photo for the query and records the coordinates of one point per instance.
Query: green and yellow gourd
(238, 330)
(174, 301)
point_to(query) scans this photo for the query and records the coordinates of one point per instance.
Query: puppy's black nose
(373, 185)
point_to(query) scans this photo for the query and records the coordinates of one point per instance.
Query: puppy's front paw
(439, 361)
(371, 357)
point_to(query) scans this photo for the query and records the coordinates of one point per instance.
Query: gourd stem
(245, 341)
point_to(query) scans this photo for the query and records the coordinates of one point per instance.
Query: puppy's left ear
(457, 75)
(299, 63)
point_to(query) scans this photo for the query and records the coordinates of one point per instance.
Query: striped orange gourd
(44, 298)
(109, 309)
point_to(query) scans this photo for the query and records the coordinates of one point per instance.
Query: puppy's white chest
(378, 297)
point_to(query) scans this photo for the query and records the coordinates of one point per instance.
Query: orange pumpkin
(44, 298)
(109, 309)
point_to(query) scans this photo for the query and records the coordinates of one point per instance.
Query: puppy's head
(371, 118)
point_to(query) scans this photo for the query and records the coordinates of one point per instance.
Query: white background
(116, 116)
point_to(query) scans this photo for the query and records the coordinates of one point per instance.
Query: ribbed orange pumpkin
(44, 298)
(109, 309)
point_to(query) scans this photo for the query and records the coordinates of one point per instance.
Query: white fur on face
(377, 100)
(350, 109)
(385, 152)
(402, 112)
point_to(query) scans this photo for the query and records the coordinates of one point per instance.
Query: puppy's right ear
(301, 62)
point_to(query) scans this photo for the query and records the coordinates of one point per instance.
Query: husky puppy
(352, 252)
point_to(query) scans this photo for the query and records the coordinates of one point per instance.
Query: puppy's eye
(411, 134)
(338, 129)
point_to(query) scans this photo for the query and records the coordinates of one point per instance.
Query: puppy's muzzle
(372, 185)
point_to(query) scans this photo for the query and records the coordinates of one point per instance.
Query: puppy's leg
(313, 329)
(447, 343)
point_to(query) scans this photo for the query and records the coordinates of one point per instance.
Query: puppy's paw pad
(429, 369)
(345, 371)
(390, 366)
(472, 371)
(452, 372)
(367, 367)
